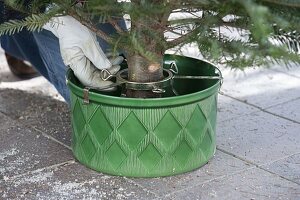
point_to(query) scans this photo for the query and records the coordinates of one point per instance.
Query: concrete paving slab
(229, 108)
(220, 166)
(35, 166)
(289, 110)
(71, 181)
(41, 112)
(288, 168)
(259, 137)
(24, 150)
(293, 70)
(252, 184)
(261, 87)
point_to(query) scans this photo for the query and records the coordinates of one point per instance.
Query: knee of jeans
(59, 82)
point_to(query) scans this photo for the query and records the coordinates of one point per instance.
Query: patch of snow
(11, 152)
(38, 177)
(71, 190)
(12, 165)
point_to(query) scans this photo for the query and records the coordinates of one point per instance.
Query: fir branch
(291, 40)
(289, 3)
(139, 48)
(90, 25)
(32, 23)
(198, 24)
(115, 24)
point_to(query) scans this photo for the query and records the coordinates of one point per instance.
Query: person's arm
(81, 51)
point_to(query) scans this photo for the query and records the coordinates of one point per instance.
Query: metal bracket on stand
(86, 99)
(174, 69)
(155, 87)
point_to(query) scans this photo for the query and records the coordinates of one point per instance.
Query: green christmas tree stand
(147, 137)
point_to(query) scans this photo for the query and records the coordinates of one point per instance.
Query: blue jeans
(42, 50)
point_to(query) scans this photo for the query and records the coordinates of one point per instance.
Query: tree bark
(141, 70)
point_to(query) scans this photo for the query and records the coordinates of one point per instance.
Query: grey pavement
(257, 157)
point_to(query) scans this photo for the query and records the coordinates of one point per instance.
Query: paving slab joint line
(208, 181)
(66, 163)
(236, 156)
(264, 109)
(50, 137)
(279, 159)
(142, 187)
(289, 101)
(38, 130)
(262, 165)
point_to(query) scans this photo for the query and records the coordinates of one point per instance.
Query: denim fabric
(42, 50)
(23, 46)
(49, 52)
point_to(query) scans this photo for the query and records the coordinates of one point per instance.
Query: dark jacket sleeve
(8, 13)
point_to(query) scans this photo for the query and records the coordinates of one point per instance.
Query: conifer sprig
(32, 23)
(153, 28)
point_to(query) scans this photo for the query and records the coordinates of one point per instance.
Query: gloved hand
(80, 50)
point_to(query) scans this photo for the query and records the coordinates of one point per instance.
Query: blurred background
(12, 76)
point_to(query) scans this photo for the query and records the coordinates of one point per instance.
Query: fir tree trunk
(141, 69)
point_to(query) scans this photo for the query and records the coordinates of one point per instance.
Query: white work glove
(80, 50)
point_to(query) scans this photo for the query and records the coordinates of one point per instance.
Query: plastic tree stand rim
(94, 96)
